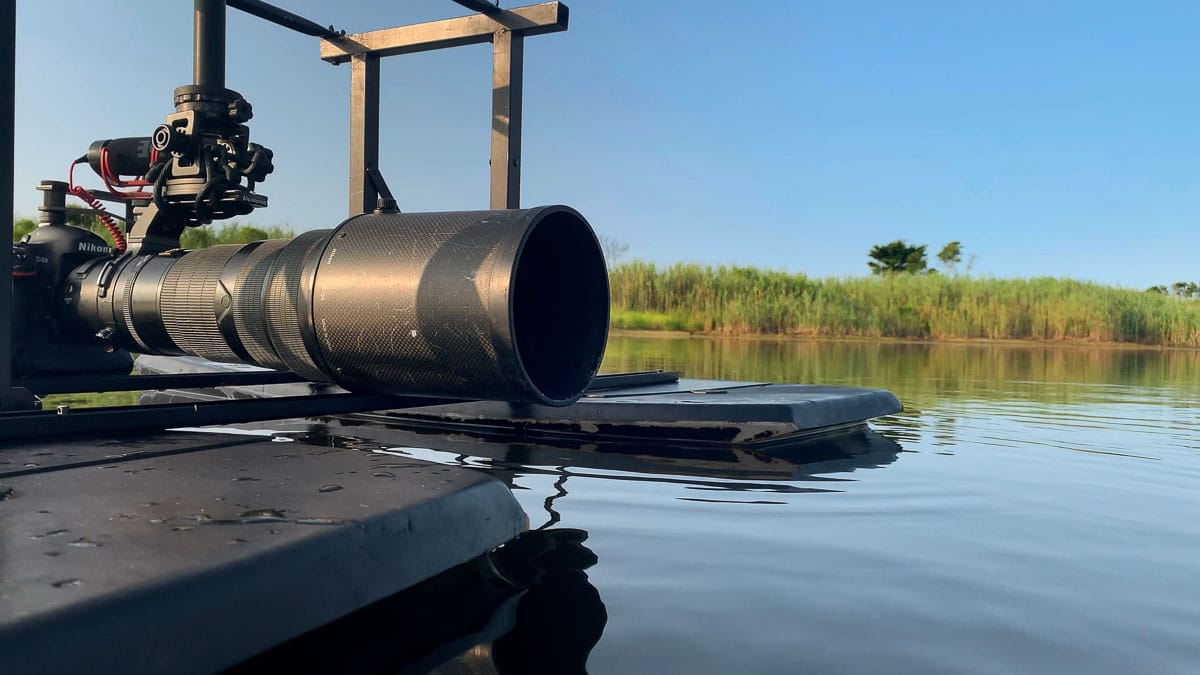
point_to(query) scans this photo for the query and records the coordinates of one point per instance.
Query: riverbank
(934, 307)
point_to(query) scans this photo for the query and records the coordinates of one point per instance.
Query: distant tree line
(1179, 289)
(900, 257)
(192, 238)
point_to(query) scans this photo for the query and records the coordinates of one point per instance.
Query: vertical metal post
(8, 75)
(208, 44)
(508, 61)
(364, 131)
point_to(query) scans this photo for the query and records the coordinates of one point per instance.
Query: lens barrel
(504, 305)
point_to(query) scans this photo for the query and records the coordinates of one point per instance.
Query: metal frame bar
(20, 426)
(548, 17)
(480, 5)
(208, 45)
(65, 385)
(8, 76)
(508, 62)
(505, 29)
(364, 131)
(282, 17)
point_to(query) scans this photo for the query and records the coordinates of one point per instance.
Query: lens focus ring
(249, 315)
(282, 301)
(186, 304)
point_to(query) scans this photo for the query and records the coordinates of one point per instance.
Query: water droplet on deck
(51, 533)
(182, 528)
(329, 488)
(383, 474)
(282, 439)
(30, 464)
(261, 516)
(84, 542)
(52, 554)
(245, 479)
(67, 583)
(235, 541)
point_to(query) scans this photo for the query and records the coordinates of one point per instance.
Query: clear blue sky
(1051, 138)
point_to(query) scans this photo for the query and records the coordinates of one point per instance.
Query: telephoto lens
(503, 305)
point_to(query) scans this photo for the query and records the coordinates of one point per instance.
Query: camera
(504, 304)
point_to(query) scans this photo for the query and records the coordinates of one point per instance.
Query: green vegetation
(91, 400)
(75, 216)
(897, 257)
(900, 257)
(229, 233)
(193, 237)
(744, 300)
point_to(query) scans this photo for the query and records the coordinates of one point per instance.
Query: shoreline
(967, 342)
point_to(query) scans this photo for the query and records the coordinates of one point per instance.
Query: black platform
(623, 408)
(190, 552)
(194, 550)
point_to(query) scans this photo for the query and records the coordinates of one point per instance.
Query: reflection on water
(784, 469)
(529, 606)
(921, 373)
(1036, 522)
(1033, 510)
(526, 607)
(1079, 396)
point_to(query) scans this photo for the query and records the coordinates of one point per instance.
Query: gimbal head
(201, 164)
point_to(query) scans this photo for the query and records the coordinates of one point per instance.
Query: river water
(1033, 509)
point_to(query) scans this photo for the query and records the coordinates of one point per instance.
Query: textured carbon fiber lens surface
(509, 305)
(505, 305)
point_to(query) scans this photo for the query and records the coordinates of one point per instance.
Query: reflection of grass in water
(91, 400)
(744, 300)
(921, 374)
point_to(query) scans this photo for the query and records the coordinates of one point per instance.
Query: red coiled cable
(98, 206)
(109, 224)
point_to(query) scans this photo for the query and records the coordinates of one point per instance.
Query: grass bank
(749, 301)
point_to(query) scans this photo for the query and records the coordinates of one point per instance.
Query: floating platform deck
(191, 552)
(194, 550)
(629, 407)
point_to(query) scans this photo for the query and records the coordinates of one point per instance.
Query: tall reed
(746, 300)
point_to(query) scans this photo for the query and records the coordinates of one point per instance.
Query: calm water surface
(1032, 510)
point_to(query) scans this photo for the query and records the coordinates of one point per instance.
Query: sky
(1050, 138)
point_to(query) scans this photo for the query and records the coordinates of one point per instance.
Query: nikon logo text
(89, 247)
